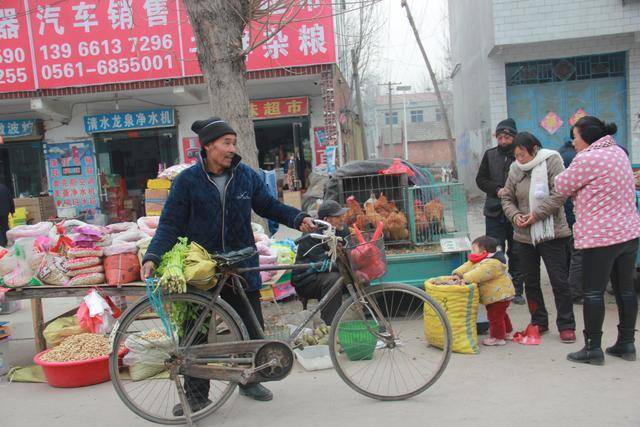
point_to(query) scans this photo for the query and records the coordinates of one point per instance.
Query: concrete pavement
(501, 386)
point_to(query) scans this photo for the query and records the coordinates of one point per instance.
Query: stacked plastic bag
(75, 253)
(272, 252)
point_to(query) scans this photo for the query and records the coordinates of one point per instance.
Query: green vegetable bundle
(171, 268)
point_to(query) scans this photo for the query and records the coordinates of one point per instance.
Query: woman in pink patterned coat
(600, 180)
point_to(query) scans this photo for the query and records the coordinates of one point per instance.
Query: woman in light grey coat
(530, 202)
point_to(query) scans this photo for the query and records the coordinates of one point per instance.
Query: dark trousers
(499, 321)
(4, 227)
(319, 289)
(555, 256)
(197, 389)
(501, 229)
(617, 262)
(575, 271)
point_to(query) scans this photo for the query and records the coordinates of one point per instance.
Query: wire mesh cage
(367, 255)
(439, 211)
(375, 198)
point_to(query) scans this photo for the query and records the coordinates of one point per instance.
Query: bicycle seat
(235, 257)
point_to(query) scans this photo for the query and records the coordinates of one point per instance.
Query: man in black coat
(6, 207)
(312, 283)
(491, 177)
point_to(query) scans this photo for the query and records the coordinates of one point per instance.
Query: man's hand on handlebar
(307, 225)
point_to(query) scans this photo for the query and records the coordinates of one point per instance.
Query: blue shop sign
(17, 128)
(129, 120)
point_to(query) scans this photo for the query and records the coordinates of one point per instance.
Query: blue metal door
(533, 91)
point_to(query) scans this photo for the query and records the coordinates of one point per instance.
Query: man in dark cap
(316, 283)
(491, 177)
(210, 203)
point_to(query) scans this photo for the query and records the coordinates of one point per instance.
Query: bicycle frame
(355, 288)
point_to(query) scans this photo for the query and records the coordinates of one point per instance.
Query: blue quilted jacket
(194, 209)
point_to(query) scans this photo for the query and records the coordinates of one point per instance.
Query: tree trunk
(218, 26)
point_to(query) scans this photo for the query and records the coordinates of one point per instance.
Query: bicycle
(377, 341)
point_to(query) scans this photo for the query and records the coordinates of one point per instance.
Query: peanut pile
(78, 347)
(154, 335)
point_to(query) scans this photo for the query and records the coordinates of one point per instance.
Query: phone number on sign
(107, 66)
(108, 47)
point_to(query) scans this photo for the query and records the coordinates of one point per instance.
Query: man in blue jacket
(210, 203)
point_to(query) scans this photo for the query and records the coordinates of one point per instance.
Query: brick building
(544, 63)
(425, 130)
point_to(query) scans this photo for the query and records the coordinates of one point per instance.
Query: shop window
(136, 155)
(394, 118)
(417, 116)
(566, 69)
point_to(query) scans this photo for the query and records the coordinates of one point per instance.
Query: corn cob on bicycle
(377, 340)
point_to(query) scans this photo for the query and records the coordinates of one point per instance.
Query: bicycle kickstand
(186, 408)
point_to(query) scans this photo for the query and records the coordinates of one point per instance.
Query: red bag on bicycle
(366, 257)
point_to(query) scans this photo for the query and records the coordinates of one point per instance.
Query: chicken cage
(375, 198)
(419, 215)
(439, 211)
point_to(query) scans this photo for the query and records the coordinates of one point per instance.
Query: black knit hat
(210, 129)
(507, 126)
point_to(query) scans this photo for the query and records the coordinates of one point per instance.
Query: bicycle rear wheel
(141, 379)
(378, 345)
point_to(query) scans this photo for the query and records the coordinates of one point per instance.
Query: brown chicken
(420, 218)
(395, 226)
(370, 216)
(354, 210)
(383, 207)
(434, 210)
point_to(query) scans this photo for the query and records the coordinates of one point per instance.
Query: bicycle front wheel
(140, 377)
(379, 345)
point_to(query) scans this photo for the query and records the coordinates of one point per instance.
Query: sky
(398, 57)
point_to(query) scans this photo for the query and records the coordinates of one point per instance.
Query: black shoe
(482, 328)
(625, 351)
(256, 391)
(591, 353)
(519, 300)
(592, 357)
(195, 407)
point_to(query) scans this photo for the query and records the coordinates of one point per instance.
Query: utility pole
(452, 147)
(390, 85)
(356, 81)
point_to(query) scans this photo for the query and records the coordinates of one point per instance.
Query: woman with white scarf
(535, 208)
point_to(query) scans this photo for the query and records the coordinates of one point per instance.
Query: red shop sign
(56, 44)
(279, 107)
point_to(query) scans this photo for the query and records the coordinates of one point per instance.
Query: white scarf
(538, 191)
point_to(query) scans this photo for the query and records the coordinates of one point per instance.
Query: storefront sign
(331, 158)
(53, 44)
(71, 169)
(127, 121)
(17, 128)
(279, 107)
(319, 147)
(190, 149)
(16, 66)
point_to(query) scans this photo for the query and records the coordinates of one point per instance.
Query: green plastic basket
(356, 340)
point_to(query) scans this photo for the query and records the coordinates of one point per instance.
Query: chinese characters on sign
(16, 66)
(279, 107)
(17, 128)
(128, 121)
(56, 44)
(72, 175)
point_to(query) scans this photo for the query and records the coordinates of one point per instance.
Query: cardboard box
(38, 208)
(158, 184)
(292, 198)
(154, 201)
